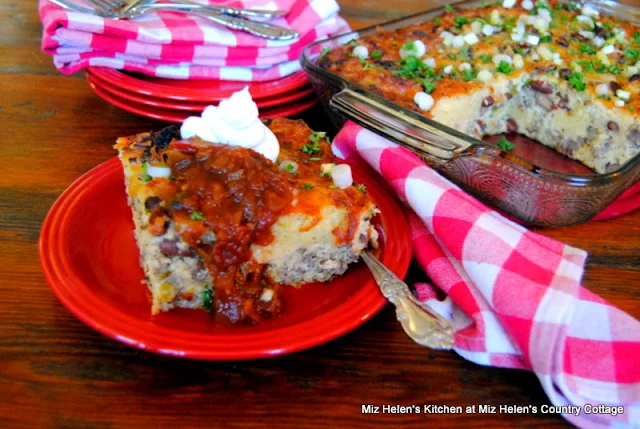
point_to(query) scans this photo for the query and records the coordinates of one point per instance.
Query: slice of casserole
(222, 227)
(557, 72)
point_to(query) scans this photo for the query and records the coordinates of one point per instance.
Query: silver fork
(125, 5)
(421, 323)
(115, 9)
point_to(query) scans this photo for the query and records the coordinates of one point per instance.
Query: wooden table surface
(55, 372)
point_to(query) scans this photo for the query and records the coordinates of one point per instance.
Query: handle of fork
(262, 29)
(419, 321)
(181, 5)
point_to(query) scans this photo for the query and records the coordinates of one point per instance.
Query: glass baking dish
(519, 187)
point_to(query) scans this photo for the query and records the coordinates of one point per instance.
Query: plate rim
(258, 89)
(189, 106)
(177, 116)
(51, 248)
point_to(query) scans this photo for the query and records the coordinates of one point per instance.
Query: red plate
(91, 261)
(195, 90)
(170, 115)
(193, 107)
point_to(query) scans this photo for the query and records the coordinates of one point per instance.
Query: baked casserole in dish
(564, 74)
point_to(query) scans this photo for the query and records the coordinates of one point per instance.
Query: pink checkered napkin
(180, 46)
(514, 297)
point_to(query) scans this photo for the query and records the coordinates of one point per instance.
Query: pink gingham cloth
(514, 297)
(182, 46)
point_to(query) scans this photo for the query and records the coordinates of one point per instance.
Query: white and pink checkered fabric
(514, 297)
(180, 46)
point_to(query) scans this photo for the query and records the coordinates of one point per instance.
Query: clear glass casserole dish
(511, 183)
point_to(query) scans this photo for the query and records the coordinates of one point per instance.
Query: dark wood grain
(55, 372)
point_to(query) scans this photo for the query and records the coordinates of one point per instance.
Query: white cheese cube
(158, 171)
(485, 76)
(609, 49)
(342, 176)
(602, 89)
(545, 53)
(488, 29)
(604, 59)
(544, 12)
(495, 18)
(267, 295)
(518, 61)
(421, 49)
(471, 38)
(507, 4)
(527, 5)
(625, 95)
(424, 101)
(620, 35)
(541, 25)
(585, 19)
(630, 71)
(360, 52)
(589, 10)
(476, 27)
(532, 39)
(448, 40)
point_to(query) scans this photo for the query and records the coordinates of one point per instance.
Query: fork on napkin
(513, 296)
(179, 46)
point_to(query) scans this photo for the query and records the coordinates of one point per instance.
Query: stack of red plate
(174, 100)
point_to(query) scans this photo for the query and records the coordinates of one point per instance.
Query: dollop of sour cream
(234, 122)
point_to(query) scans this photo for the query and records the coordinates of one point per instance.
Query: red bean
(488, 101)
(151, 203)
(541, 86)
(169, 247)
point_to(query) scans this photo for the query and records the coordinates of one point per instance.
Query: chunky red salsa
(224, 199)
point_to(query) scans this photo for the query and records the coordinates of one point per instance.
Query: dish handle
(431, 141)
